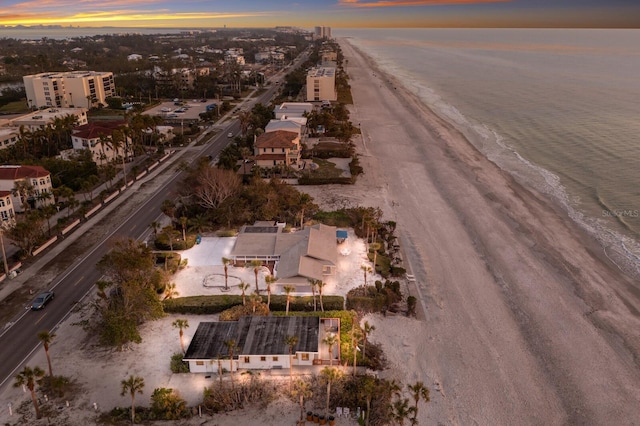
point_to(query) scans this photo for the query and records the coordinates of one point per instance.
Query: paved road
(19, 341)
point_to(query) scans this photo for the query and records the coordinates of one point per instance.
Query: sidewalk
(8, 286)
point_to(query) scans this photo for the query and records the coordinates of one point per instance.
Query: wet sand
(526, 320)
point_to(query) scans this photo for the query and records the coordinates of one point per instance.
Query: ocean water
(559, 109)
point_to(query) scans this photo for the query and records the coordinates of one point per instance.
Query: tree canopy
(130, 294)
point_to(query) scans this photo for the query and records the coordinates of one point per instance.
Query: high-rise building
(322, 32)
(69, 89)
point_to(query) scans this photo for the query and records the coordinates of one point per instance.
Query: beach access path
(526, 320)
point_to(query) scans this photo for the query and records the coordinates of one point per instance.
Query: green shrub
(310, 180)
(178, 365)
(207, 305)
(305, 303)
(411, 306)
(201, 305)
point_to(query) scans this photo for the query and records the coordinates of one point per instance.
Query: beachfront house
(279, 148)
(294, 257)
(260, 344)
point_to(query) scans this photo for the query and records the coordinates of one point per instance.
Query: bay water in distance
(559, 109)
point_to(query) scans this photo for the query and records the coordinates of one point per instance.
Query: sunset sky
(333, 13)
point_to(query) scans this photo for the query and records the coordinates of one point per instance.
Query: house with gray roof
(260, 343)
(294, 257)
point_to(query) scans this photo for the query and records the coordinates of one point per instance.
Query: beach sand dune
(526, 320)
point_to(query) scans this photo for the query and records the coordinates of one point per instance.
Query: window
(305, 357)
(1, 203)
(275, 358)
(246, 360)
(263, 358)
(199, 362)
(4, 215)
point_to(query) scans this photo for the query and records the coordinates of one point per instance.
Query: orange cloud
(397, 3)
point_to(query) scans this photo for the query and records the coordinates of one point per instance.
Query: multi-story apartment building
(7, 214)
(322, 32)
(29, 185)
(69, 89)
(97, 137)
(321, 84)
(8, 136)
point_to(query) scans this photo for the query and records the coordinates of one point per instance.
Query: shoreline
(542, 293)
(597, 219)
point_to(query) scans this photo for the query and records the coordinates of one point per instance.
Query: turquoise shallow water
(558, 109)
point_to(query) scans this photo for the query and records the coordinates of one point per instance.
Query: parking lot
(178, 110)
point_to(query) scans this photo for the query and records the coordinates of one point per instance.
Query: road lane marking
(79, 281)
(40, 319)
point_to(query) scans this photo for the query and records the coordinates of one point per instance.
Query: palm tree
(231, 346)
(313, 283)
(119, 140)
(256, 265)
(133, 385)
(226, 262)
(304, 201)
(400, 410)
(418, 390)
(330, 375)
(356, 335)
(302, 390)
(170, 291)
(29, 377)
(183, 223)
(255, 299)
(375, 246)
(269, 279)
(365, 269)
(243, 286)
(366, 330)
(288, 289)
(320, 285)
(368, 389)
(181, 324)
(291, 341)
(46, 337)
(330, 341)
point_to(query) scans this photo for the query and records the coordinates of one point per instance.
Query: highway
(19, 340)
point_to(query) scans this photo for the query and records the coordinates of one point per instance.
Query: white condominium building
(68, 89)
(321, 84)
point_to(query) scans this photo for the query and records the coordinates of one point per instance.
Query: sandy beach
(527, 320)
(523, 321)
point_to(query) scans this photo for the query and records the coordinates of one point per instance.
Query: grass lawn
(326, 169)
(17, 107)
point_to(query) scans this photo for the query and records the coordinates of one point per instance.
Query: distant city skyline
(332, 13)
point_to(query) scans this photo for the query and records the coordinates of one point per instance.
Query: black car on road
(41, 300)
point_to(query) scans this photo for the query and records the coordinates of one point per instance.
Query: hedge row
(309, 180)
(208, 305)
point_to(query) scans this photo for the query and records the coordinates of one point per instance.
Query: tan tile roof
(277, 139)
